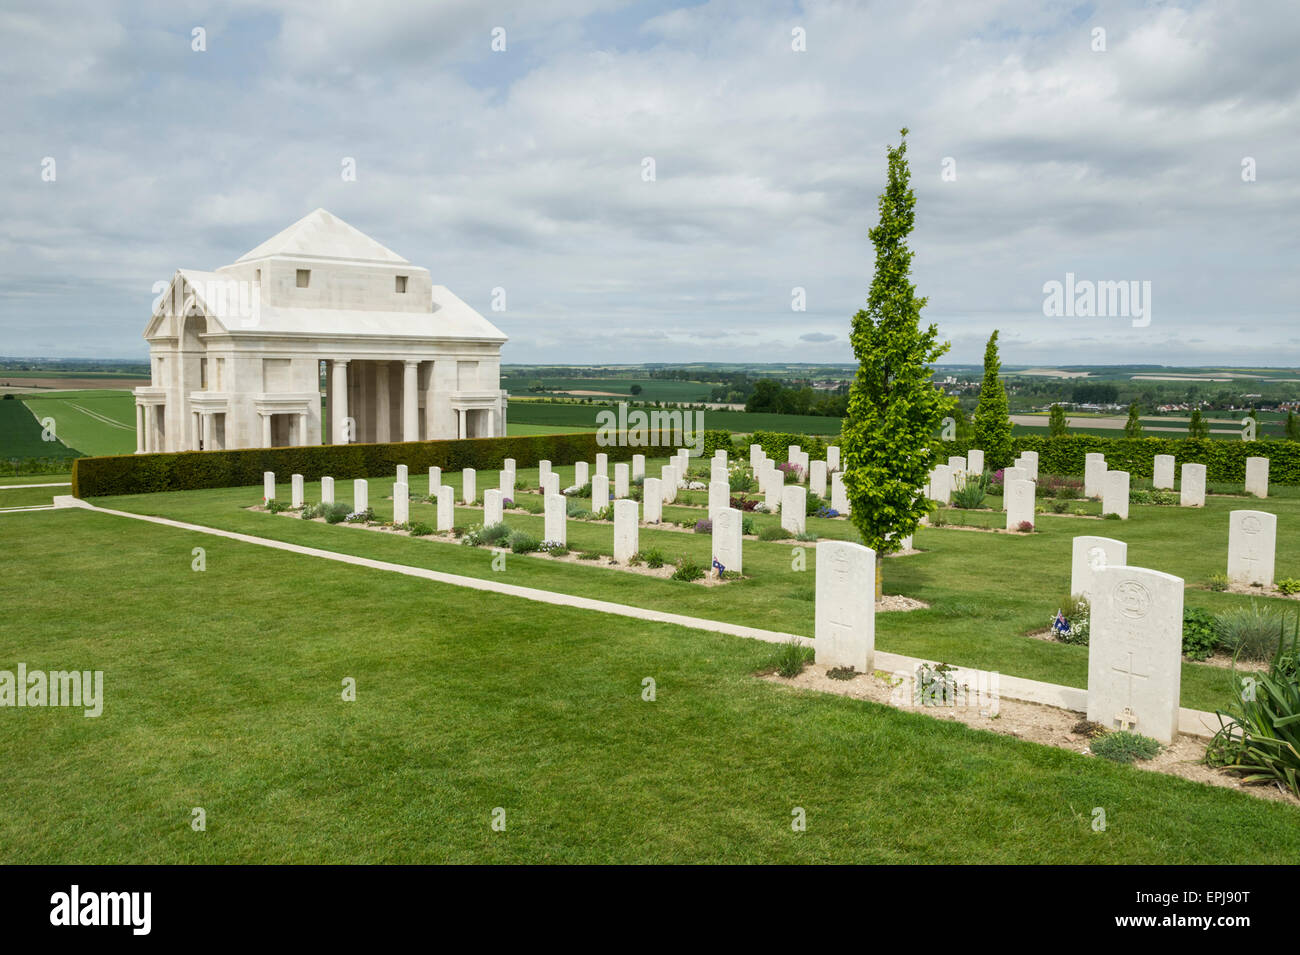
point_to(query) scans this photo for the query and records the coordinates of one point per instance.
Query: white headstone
(803, 463)
(638, 467)
(1191, 492)
(720, 455)
(1257, 476)
(621, 474)
(1162, 472)
(360, 494)
(755, 454)
(668, 477)
(941, 483)
(653, 504)
(1252, 547)
(1094, 474)
(957, 465)
(792, 454)
(403, 475)
(401, 503)
(839, 496)
(1114, 499)
(435, 481)
(543, 469)
(507, 485)
(832, 458)
(718, 471)
(727, 538)
(268, 485)
(492, 507)
(327, 490)
(719, 498)
(773, 490)
(508, 465)
(602, 464)
(581, 474)
(817, 478)
(625, 530)
(557, 517)
(551, 483)
(1019, 497)
(1089, 555)
(295, 490)
(844, 631)
(1029, 461)
(1015, 473)
(468, 486)
(794, 508)
(599, 492)
(446, 507)
(1135, 651)
(975, 461)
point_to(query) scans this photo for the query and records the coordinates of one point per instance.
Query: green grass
(21, 434)
(92, 422)
(986, 591)
(223, 691)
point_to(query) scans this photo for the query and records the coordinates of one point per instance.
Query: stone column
(209, 430)
(339, 401)
(410, 401)
(266, 430)
(384, 408)
(139, 428)
(303, 427)
(150, 439)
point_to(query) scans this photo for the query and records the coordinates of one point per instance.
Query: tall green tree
(1133, 426)
(1056, 424)
(1292, 427)
(1197, 428)
(894, 407)
(992, 421)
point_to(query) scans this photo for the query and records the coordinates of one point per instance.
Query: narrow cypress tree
(1056, 423)
(894, 408)
(1133, 426)
(992, 422)
(1197, 428)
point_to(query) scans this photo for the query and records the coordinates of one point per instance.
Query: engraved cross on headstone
(1132, 674)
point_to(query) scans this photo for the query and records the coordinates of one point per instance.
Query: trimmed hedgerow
(191, 470)
(1224, 461)
(776, 445)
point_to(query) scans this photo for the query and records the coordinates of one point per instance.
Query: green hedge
(191, 470)
(776, 445)
(1225, 461)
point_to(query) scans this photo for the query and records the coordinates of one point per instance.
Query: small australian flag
(1061, 625)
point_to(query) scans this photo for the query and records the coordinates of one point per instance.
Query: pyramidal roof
(321, 234)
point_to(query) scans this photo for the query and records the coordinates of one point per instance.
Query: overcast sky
(523, 169)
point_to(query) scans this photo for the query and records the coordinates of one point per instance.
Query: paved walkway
(1193, 722)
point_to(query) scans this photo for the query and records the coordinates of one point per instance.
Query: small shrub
(361, 517)
(1218, 582)
(1077, 614)
(521, 542)
(812, 504)
(704, 526)
(554, 548)
(1125, 747)
(1288, 586)
(1199, 640)
(774, 533)
(841, 673)
(584, 491)
(1111, 516)
(589, 555)
(1249, 632)
(1025, 527)
(276, 507)
(806, 536)
(1060, 506)
(606, 513)
(420, 529)
(969, 495)
(653, 557)
(687, 569)
(790, 660)
(746, 525)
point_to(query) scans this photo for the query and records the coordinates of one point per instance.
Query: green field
(21, 435)
(92, 422)
(582, 417)
(652, 389)
(226, 696)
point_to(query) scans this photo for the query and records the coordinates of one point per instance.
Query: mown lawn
(223, 692)
(92, 422)
(986, 591)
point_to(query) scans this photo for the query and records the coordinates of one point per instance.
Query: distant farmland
(652, 389)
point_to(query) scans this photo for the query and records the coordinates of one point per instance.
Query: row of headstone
(1162, 478)
(1028, 462)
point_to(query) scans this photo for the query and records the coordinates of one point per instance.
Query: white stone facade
(242, 357)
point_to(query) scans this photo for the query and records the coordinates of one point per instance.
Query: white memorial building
(239, 356)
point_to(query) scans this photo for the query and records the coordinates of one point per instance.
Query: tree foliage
(1197, 428)
(894, 408)
(992, 420)
(1056, 422)
(1133, 426)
